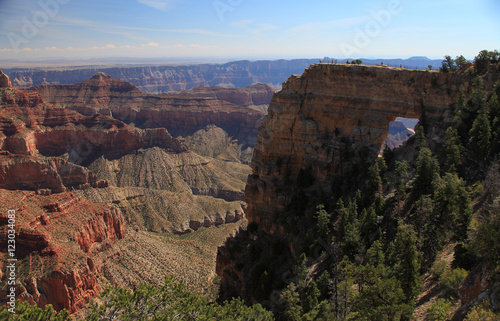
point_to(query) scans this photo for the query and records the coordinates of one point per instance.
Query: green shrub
(439, 310)
(453, 278)
(439, 268)
(482, 313)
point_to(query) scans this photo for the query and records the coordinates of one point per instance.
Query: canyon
(115, 185)
(95, 196)
(157, 79)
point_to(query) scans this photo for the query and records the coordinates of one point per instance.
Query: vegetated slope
(335, 231)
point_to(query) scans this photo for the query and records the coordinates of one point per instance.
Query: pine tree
(480, 137)
(479, 95)
(401, 175)
(290, 307)
(427, 173)
(407, 262)
(462, 114)
(380, 297)
(420, 139)
(311, 298)
(374, 182)
(494, 112)
(453, 150)
(322, 220)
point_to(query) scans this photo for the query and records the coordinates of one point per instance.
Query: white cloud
(158, 4)
(151, 44)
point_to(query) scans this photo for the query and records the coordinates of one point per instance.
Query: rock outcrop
(39, 173)
(109, 225)
(50, 269)
(29, 126)
(4, 80)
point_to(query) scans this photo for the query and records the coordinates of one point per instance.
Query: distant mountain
(165, 78)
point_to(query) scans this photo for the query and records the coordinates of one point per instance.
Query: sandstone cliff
(30, 126)
(4, 80)
(44, 174)
(50, 269)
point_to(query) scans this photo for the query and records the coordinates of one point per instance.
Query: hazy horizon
(228, 30)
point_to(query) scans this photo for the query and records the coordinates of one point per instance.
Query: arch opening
(400, 130)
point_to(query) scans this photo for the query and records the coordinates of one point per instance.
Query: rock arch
(325, 118)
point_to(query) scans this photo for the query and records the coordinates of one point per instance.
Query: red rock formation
(36, 173)
(332, 110)
(104, 226)
(71, 290)
(49, 268)
(28, 126)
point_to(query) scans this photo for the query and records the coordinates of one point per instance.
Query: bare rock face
(155, 79)
(109, 225)
(53, 174)
(29, 126)
(4, 80)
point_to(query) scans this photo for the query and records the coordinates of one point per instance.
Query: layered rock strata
(155, 79)
(29, 126)
(50, 268)
(237, 111)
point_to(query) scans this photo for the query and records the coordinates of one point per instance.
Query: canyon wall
(237, 111)
(162, 78)
(72, 226)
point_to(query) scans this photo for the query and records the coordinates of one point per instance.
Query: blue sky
(250, 29)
